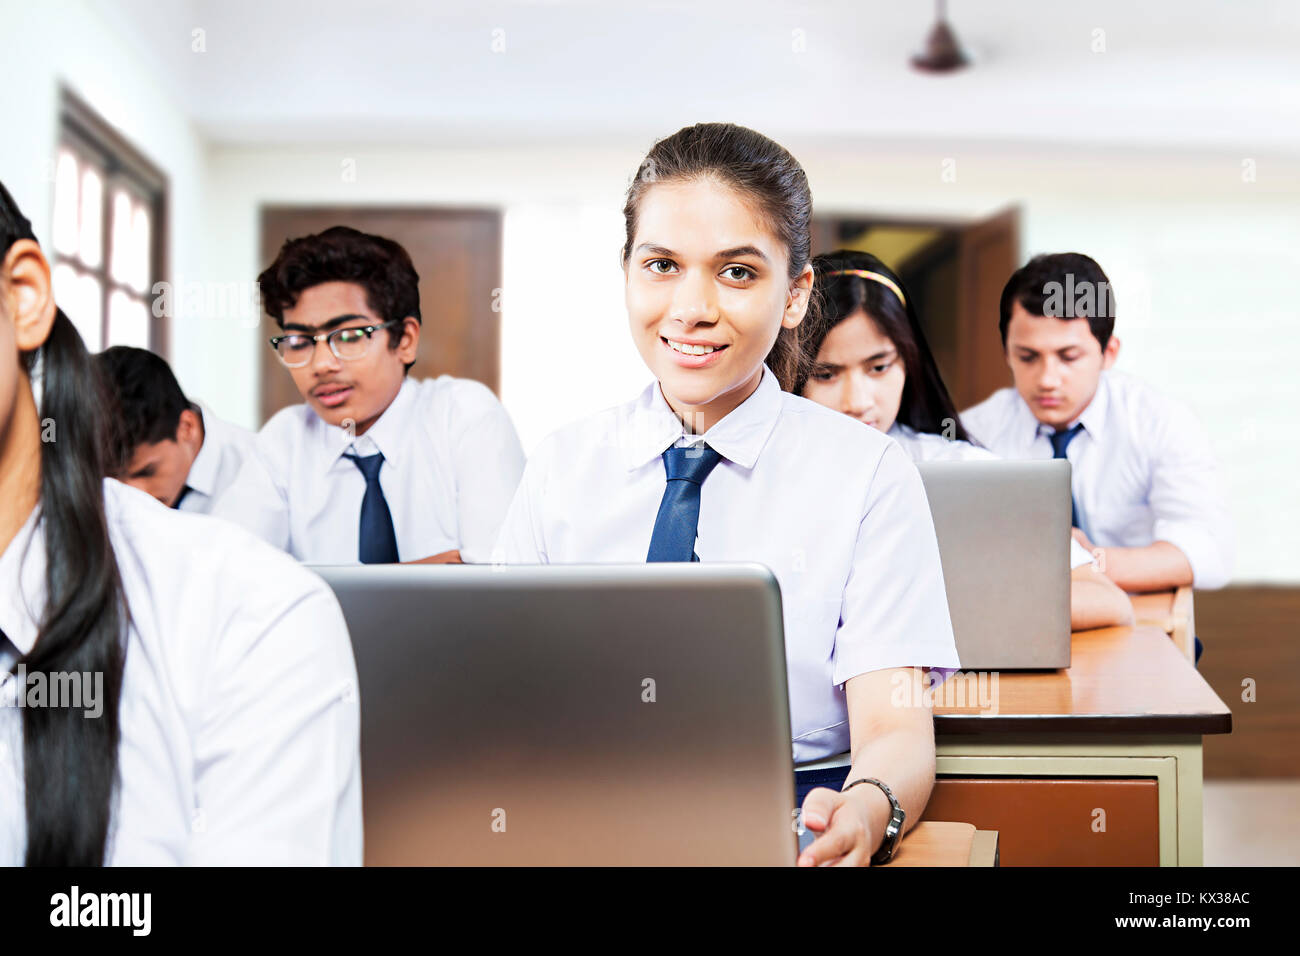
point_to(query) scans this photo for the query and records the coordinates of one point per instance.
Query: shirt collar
(203, 471)
(388, 431)
(22, 585)
(651, 425)
(1094, 416)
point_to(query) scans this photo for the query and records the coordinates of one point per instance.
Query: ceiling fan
(942, 53)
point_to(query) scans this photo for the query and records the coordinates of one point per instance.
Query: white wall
(65, 42)
(1198, 257)
(560, 266)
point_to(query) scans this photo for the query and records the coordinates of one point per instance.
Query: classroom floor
(1252, 822)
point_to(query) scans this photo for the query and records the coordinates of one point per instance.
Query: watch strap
(893, 829)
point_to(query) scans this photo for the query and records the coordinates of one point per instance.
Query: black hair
(343, 254)
(70, 761)
(762, 170)
(1064, 285)
(147, 400)
(926, 405)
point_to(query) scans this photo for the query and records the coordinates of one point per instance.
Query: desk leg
(1191, 818)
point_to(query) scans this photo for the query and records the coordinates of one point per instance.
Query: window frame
(96, 144)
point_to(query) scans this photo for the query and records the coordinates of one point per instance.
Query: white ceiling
(1175, 73)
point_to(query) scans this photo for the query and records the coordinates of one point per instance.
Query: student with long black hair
(175, 691)
(871, 361)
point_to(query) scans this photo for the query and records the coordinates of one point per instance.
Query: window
(109, 203)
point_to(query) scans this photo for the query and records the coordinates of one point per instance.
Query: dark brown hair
(343, 254)
(764, 172)
(147, 401)
(1043, 285)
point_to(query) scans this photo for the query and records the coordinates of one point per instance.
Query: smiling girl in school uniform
(716, 460)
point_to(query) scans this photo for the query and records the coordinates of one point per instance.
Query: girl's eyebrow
(740, 252)
(832, 367)
(655, 250)
(736, 253)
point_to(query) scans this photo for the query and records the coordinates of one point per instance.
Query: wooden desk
(1098, 764)
(1171, 611)
(932, 843)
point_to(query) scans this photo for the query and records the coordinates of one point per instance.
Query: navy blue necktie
(378, 540)
(678, 520)
(181, 497)
(1060, 442)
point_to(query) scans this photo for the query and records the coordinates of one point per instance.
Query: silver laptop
(1004, 542)
(571, 714)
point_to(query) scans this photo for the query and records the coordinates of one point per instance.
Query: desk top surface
(1130, 680)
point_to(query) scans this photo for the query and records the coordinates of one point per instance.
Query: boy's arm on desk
(1096, 601)
(1156, 566)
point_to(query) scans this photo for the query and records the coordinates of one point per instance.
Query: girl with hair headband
(871, 361)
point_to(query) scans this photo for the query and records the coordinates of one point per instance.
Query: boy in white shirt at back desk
(176, 450)
(1147, 496)
(375, 467)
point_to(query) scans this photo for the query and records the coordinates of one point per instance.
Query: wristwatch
(893, 830)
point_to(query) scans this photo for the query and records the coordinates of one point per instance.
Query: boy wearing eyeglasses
(374, 467)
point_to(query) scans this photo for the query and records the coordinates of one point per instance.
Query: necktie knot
(1061, 439)
(369, 465)
(691, 463)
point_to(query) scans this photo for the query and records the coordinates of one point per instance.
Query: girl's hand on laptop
(843, 821)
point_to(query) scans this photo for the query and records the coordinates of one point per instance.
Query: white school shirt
(239, 712)
(927, 446)
(218, 462)
(1142, 470)
(452, 461)
(833, 507)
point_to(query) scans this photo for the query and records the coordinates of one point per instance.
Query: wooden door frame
(973, 331)
(268, 364)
